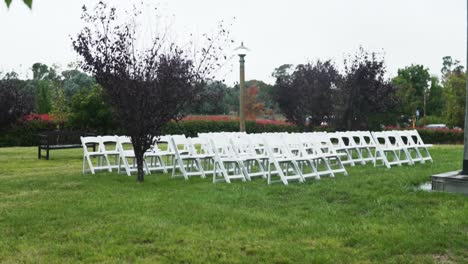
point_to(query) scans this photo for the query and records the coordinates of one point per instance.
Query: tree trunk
(141, 173)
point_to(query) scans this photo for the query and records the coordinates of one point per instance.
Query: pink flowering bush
(217, 118)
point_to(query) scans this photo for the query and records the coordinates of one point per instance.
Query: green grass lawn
(51, 213)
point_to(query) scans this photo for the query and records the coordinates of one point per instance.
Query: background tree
(253, 107)
(365, 99)
(74, 81)
(436, 100)
(449, 66)
(410, 84)
(146, 87)
(43, 97)
(48, 88)
(89, 112)
(306, 92)
(455, 91)
(282, 71)
(26, 2)
(265, 96)
(16, 100)
(231, 100)
(211, 100)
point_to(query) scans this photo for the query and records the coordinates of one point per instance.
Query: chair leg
(84, 165)
(108, 163)
(90, 164)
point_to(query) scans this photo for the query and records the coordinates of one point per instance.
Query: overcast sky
(277, 32)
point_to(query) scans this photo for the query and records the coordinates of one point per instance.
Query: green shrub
(441, 136)
(89, 112)
(24, 133)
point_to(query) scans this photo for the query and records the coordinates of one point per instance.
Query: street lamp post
(426, 90)
(242, 51)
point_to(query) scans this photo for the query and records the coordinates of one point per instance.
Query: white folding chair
(417, 141)
(252, 162)
(307, 162)
(89, 155)
(341, 149)
(227, 166)
(186, 161)
(366, 145)
(201, 148)
(108, 147)
(280, 163)
(325, 163)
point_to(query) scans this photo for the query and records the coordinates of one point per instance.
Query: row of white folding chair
(323, 140)
(390, 149)
(289, 159)
(411, 145)
(119, 154)
(362, 144)
(308, 161)
(345, 144)
(235, 157)
(122, 155)
(280, 160)
(417, 150)
(253, 162)
(250, 151)
(352, 146)
(312, 146)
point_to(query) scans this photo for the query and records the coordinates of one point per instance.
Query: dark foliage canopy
(307, 92)
(15, 100)
(364, 93)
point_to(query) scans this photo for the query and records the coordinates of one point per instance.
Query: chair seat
(96, 153)
(392, 148)
(230, 159)
(110, 152)
(152, 154)
(425, 146)
(285, 159)
(196, 156)
(128, 153)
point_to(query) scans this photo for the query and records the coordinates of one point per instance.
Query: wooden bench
(60, 140)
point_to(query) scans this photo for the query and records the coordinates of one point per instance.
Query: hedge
(25, 133)
(438, 136)
(191, 128)
(441, 136)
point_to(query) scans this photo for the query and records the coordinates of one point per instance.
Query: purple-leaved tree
(147, 87)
